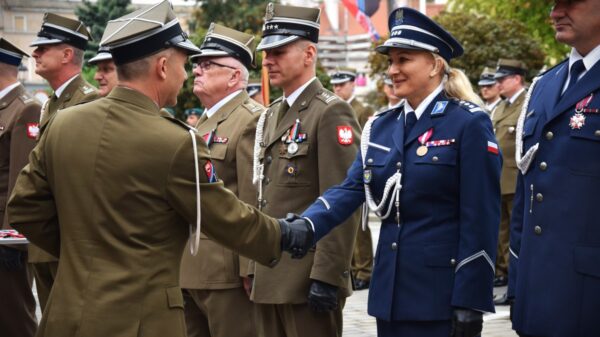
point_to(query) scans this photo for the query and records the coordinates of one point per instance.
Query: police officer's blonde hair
(456, 83)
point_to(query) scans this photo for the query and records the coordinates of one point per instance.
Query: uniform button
(269, 159)
(346, 273)
(538, 230)
(264, 203)
(262, 144)
(452, 262)
(511, 129)
(539, 197)
(435, 158)
(549, 135)
(543, 166)
(597, 133)
(398, 165)
(394, 246)
(267, 181)
(370, 161)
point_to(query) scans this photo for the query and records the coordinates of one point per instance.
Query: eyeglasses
(207, 65)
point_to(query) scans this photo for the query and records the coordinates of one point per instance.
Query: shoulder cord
(523, 161)
(393, 182)
(258, 168)
(196, 243)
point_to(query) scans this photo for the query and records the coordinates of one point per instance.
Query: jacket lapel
(67, 94)
(424, 123)
(398, 132)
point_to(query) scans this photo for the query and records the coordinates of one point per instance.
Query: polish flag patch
(33, 130)
(492, 147)
(344, 134)
(209, 169)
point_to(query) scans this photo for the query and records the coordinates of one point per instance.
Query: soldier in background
(304, 144)
(388, 90)
(343, 81)
(58, 58)
(213, 280)
(510, 75)
(106, 71)
(19, 127)
(193, 116)
(489, 90)
(255, 90)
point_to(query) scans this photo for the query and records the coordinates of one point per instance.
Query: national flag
(492, 147)
(357, 9)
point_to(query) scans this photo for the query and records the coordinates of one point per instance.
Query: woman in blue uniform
(430, 170)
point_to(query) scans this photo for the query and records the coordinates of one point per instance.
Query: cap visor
(189, 47)
(339, 81)
(498, 76)
(274, 41)
(385, 48)
(208, 53)
(42, 40)
(100, 57)
(486, 82)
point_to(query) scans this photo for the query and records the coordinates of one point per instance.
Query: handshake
(296, 235)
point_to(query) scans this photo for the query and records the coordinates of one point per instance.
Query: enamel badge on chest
(578, 119)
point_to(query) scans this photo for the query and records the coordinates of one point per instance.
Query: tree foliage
(532, 13)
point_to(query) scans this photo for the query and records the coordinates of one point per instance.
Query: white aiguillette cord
(257, 167)
(524, 161)
(196, 243)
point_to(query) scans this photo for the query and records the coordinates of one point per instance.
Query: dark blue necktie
(411, 120)
(576, 69)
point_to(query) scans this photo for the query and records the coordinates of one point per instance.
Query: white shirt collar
(62, 88)
(492, 105)
(588, 61)
(8, 89)
(294, 96)
(350, 99)
(516, 95)
(421, 108)
(221, 103)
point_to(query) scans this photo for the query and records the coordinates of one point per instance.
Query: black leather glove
(322, 297)
(11, 259)
(296, 235)
(466, 323)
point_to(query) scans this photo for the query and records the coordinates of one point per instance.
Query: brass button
(538, 230)
(394, 246)
(370, 161)
(267, 181)
(269, 159)
(452, 262)
(511, 129)
(539, 197)
(549, 135)
(597, 133)
(543, 166)
(435, 158)
(264, 203)
(398, 165)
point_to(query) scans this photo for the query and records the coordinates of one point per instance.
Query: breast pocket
(441, 156)
(585, 147)
(218, 151)
(294, 165)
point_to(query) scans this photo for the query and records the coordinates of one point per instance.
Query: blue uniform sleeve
(480, 165)
(516, 228)
(337, 203)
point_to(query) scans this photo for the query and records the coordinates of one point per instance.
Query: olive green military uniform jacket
(232, 129)
(293, 181)
(120, 177)
(19, 127)
(77, 92)
(504, 119)
(361, 111)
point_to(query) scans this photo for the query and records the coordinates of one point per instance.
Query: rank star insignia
(577, 121)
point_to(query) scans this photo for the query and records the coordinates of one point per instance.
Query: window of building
(20, 23)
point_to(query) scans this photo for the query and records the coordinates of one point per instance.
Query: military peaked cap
(285, 24)
(103, 55)
(342, 75)
(508, 67)
(10, 54)
(59, 29)
(223, 41)
(253, 87)
(487, 77)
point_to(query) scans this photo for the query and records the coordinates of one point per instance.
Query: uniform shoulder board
(471, 107)
(279, 99)
(178, 122)
(327, 97)
(253, 107)
(86, 89)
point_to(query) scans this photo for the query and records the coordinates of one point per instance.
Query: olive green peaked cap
(59, 29)
(10, 54)
(508, 67)
(487, 77)
(342, 75)
(145, 32)
(224, 41)
(285, 24)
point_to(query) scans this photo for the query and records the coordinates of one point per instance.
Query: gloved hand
(296, 235)
(322, 297)
(466, 323)
(11, 259)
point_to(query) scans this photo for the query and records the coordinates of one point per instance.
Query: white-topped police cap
(286, 24)
(411, 29)
(508, 67)
(343, 75)
(59, 29)
(487, 77)
(102, 55)
(224, 41)
(11, 54)
(145, 32)
(254, 87)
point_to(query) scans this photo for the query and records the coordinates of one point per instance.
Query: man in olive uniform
(305, 142)
(106, 71)
(489, 90)
(510, 75)
(213, 280)
(362, 257)
(58, 59)
(388, 90)
(126, 181)
(19, 127)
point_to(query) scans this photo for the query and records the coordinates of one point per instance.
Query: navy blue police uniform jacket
(441, 252)
(554, 271)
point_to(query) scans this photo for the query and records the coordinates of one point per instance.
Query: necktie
(283, 108)
(576, 69)
(411, 120)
